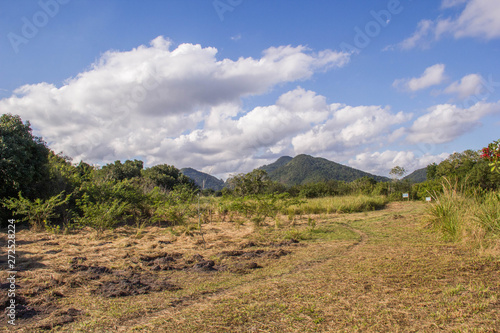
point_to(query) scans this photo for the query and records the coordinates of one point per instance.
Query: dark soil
(133, 284)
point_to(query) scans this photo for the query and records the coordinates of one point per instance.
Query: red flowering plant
(492, 154)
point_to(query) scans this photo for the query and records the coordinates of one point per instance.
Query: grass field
(375, 271)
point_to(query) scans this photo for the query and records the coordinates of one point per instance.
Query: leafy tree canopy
(254, 182)
(118, 171)
(23, 158)
(167, 177)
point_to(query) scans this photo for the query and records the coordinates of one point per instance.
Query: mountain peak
(304, 169)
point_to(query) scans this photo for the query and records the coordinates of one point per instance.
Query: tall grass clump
(464, 214)
(488, 213)
(451, 210)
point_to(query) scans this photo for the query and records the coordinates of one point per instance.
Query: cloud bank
(183, 106)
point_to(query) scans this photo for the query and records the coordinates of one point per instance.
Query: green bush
(101, 215)
(175, 206)
(37, 212)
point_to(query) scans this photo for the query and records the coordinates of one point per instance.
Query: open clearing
(371, 272)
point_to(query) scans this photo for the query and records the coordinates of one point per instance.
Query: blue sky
(226, 86)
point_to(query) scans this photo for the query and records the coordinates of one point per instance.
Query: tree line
(48, 191)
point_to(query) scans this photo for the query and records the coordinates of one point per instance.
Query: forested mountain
(417, 176)
(203, 180)
(304, 169)
(283, 160)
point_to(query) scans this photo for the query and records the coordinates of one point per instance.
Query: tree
(119, 171)
(397, 172)
(431, 171)
(23, 158)
(254, 182)
(167, 177)
(364, 185)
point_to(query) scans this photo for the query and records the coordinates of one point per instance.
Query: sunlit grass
(462, 215)
(341, 204)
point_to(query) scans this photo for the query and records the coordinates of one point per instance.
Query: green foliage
(397, 172)
(321, 189)
(23, 159)
(492, 155)
(63, 176)
(252, 183)
(364, 185)
(259, 207)
(488, 213)
(167, 177)
(118, 171)
(460, 212)
(446, 213)
(37, 212)
(101, 215)
(381, 188)
(432, 171)
(468, 169)
(343, 204)
(176, 206)
(430, 188)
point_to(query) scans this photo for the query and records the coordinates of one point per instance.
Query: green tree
(167, 177)
(364, 185)
(23, 158)
(431, 171)
(254, 182)
(118, 171)
(397, 172)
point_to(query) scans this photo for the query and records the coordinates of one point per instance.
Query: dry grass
(372, 272)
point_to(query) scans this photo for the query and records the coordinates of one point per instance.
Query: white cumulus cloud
(349, 126)
(432, 76)
(469, 85)
(380, 163)
(445, 122)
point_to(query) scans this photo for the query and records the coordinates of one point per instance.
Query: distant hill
(304, 169)
(283, 160)
(417, 176)
(211, 182)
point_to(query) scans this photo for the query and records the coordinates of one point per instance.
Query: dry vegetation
(373, 271)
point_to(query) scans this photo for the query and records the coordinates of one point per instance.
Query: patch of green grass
(342, 204)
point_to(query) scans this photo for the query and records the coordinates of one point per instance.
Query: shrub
(101, 215)
(176, 206)
(37, 212)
